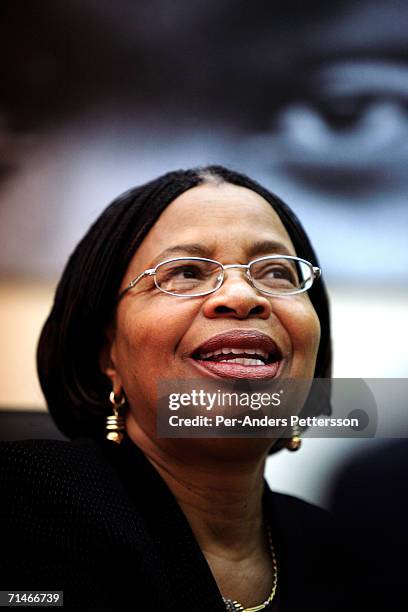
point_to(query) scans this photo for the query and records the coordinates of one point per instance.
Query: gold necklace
(235, 606)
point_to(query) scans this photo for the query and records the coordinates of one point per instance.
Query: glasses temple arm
(135, 281)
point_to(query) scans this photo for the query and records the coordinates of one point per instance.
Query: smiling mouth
(240, 354)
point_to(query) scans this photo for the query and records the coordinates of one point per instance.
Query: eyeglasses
(197, 276)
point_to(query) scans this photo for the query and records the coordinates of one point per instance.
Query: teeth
(235, 351)
(243, 361)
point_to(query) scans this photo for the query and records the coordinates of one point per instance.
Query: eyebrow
(200, 250)
(268, 246)
(195, 249)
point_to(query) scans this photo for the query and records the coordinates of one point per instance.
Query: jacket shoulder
(46, 458)
(301, 509)
(302, 520)
(68, 523)
(41, 474)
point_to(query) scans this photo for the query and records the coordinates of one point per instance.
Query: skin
(217, 482)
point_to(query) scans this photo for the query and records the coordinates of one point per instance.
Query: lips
(239, 354)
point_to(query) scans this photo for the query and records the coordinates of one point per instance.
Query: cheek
(302, 325)
(149, 333)
(147, 337)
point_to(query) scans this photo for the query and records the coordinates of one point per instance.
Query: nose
(236, 298)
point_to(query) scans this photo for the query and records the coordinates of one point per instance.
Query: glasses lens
(188, 276)
(281, 275)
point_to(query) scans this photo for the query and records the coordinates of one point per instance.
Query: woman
(150, 523)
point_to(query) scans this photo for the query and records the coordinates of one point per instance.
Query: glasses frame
(315, 274)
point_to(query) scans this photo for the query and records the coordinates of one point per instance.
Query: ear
(108, 362)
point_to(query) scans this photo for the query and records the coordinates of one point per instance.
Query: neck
(220, 496)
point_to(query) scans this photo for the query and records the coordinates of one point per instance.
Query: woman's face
(156, 335)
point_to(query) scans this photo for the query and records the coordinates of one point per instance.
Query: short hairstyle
(68, 354)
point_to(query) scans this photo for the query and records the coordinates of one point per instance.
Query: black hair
(68, 354)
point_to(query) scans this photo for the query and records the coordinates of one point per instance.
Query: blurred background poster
(309, 98)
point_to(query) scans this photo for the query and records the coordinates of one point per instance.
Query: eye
(274, 273)
(186, 276)
(184, 272)
(277, 272)
(179, 274)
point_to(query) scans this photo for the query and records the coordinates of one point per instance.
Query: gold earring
(115, 423)
(295, 442)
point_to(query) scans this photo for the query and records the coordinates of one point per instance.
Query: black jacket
(97, 522)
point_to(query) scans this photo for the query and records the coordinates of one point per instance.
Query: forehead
(224, 217)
